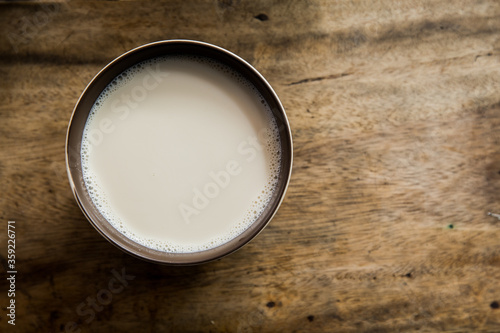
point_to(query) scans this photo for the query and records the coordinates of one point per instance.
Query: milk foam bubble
(181, 154)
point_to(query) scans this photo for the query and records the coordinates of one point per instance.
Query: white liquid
(180, 154)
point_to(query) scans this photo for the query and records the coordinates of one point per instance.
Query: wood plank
(395, 113)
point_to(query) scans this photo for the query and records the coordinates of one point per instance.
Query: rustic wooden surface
(395, 111)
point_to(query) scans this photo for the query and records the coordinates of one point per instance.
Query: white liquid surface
(180, 154)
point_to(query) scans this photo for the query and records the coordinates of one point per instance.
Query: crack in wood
(320, 78)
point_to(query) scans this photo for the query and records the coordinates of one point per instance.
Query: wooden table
(395, 113)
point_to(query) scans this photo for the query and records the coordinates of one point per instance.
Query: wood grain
(395, 114)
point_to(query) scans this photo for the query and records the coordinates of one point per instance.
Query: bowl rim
(161, 257)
